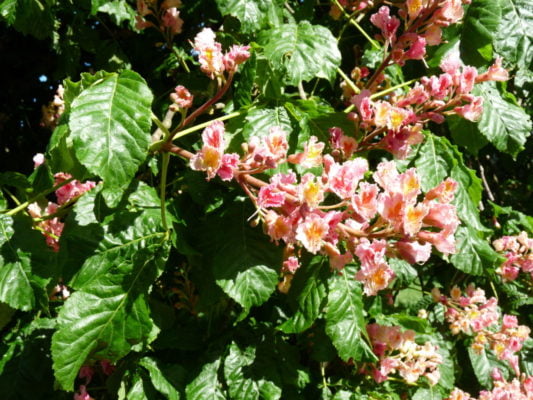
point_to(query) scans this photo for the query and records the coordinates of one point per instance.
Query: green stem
(35, 198)
(359, 28)
(391, 89)
(162, 191)
(348, 81)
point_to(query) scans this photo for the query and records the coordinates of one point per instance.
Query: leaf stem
(37, 197)
(391, 89)
(359, 28)
(162, 189)
(348, 81)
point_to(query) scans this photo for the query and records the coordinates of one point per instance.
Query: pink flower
(388, 25)
(228, 165)
(210, 53)
(38, 160)
(311, 156)
(311, 232)
(72, 189)
(290, 265)
(279, 227)
(171, 19)
(494, 73)
(276, 143)
(87, 373)
(467, 80)
(472, 111)
(433, 35)
(310, 191)
(443, 240)
(236, 56)
(269, 196)
(417, 49)
(413, 252)
(210, 157)
(451, 63)
(365, 201)
(444, 192)
(343, 178)
(363, 104)
(182, 97)
(82, 395)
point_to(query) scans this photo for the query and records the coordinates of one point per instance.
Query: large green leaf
(206, 385)
(466, 133)
(474, 255)
(303, 50)
(479, 26)
(438, 159)
(25, 262)
(118, 10)
(505, 125)
(29, 16)
(240, 385)
(307, 295)
(345, 322)
(109, 311)
(244, 262)
(253, 14)
(160, 379)
(514, 36)
(110, 126)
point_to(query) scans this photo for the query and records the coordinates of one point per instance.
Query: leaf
(258, 122)
(206, 385)
(244, 263)
(118, 10)
(504, 124)
(304, 51)
(240, 386)
(483, 365)
(438, 159)
(479, 26)
(30, 17)
(466, 133)
(427, 394)
(109, 312)
(24, 257)
(514, 36)
(345, 322)
(405, 273)
(253, 14)
(307, 294)
(474, 255)
(110, 127)
(159, 380)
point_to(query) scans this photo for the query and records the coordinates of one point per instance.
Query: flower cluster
(517, 389)
(164, 17)
(49, 222)
(399, 353)
(402, 117)
(337, 213)
(473, 313)
(518, 251)
(213, 62)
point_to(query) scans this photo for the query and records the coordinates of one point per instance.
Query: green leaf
(466, 133)
(253, 14)
(427, 394)
(504, 124)
(244, 263)
(24, 257)
(473, 255)
(118, 10)
(160, 381)
(110, 126)
(30, 17)
(345, 322)
(307, 295)
(438, 159)
(479, 26)
(483, 365)
(109, 311)
(405, 273)
(514, 36)
(206, 385)
(240, 385)
(304, 51)
(258, 121)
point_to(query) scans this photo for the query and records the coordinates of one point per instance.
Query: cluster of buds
(52, 111)
(402, 117)
(164, 17)
(49, 224)
(473, 313)
(213, 62)
(517, 389)
(424, 20)
(181, 99)
(350, 6)
(399, 353)
(518, 251)
(337, 214)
